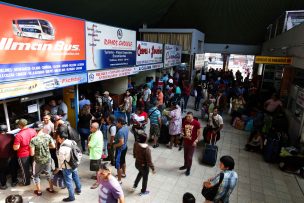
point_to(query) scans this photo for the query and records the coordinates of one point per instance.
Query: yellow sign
(272, 60)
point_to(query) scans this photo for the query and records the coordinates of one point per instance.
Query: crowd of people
(52, 146)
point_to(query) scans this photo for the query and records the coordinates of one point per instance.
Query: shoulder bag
(210, 193)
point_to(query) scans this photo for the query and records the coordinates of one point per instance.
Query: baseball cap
(38, 125)
(106, 93)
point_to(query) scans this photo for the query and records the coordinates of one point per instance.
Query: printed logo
(119, 33)
(91, 77)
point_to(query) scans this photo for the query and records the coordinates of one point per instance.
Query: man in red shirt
(22, 146)
(191, 131)
(7, 158)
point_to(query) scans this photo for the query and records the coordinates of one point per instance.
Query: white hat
(170, 81)
(106, 93)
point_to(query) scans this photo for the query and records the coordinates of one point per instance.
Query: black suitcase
(210, 153)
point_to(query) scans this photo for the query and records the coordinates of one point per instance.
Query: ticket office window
(2, 115)
(27, 110)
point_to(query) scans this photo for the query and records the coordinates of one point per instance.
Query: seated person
(255, 142)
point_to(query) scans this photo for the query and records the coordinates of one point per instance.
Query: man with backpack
(69, 156)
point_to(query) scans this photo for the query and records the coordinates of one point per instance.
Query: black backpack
(75, 155)
(71, 132)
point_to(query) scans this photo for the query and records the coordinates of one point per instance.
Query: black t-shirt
(84, 121)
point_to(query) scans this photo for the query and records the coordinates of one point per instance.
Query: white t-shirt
(111, 131)
(147, 92)
(218, 119)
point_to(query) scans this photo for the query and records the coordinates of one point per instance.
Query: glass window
(17, 110)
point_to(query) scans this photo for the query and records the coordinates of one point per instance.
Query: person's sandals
(50, 190)
(156, 145)
(122, 175)
(94, 186)
(37, 193)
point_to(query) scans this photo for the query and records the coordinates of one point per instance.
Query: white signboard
(100, 75)
(150, 67)
(109, 47)
(172, 56)
(149, 53)
(199, 61)
(32, 108)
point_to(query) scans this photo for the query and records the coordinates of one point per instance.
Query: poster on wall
(109, 47)
(94, 76)
(293, 18)
(199, 61)
(38, 44)
(149, 53)
(172, 55)
(19, 88)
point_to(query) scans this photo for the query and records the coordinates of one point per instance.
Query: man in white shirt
(111, 135)
(216, 122)
(69, 174)
(62, 109)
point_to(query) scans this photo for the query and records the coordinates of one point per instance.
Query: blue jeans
(69, 175)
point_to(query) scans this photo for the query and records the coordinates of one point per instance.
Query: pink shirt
(272, 105)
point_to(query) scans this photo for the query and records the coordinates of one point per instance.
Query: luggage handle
(215, 138)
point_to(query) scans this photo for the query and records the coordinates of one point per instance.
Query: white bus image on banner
(34, 28)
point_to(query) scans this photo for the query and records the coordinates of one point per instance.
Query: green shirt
(42, 151)
(96, 145)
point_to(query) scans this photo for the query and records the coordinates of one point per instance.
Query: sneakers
(3, 187)
(144, 193)
(187, 172)
(183, 168)
(133, 189)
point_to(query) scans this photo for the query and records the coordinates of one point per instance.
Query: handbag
(210, 193)
(58, 180)
(94, 164)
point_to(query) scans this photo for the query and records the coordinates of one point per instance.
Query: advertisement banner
(150, 67)
(172, 56)
(100, 75)
(37, 44)
(149, 53)
(293, 18)
(20, 88)
(272, 60)
(199, 61)
(109, 47)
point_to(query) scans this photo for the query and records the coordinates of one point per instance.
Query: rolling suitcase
(210, 153)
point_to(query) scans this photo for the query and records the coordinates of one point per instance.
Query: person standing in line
(39, 146)
(215, 123)
(62, 109)
(121, 140)
(160, 98)
(6, 157)
(83, 101)
(186, 93)
(127, 105)
(175, 123)
(191, 132)
(22, 146)
(146, 96)
(54, 107)
(198, 96)
(69, 174)
(111, 136)
(110, 190)
(155, 124)
(95, 147)
(228, 183)
(143, 162)
(104, 129)
(85, 118)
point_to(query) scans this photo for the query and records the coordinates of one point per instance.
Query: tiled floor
(258, 181)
